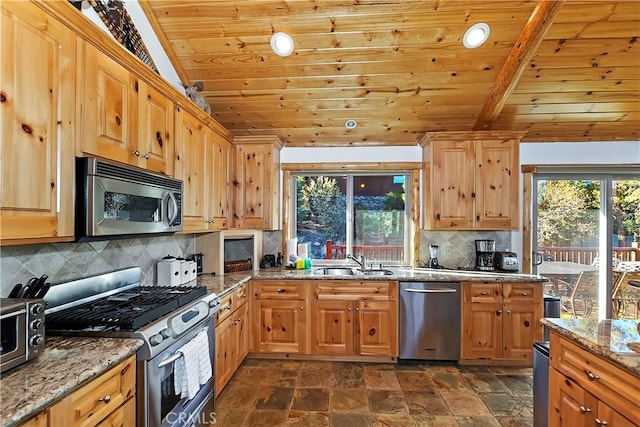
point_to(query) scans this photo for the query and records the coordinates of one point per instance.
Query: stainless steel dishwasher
(429, 321)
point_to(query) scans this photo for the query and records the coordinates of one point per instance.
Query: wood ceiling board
(381, 62)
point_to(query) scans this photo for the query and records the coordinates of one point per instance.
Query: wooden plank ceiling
(570, 72)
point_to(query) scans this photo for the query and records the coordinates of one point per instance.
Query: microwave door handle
(172, 199)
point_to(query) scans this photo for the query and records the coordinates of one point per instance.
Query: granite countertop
(65, 364)
(606, 338)
(222, 284)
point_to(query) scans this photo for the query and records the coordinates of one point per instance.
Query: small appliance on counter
(506, 261)
(485, 255)
(268, 261)
(433, 256)
(22, 335)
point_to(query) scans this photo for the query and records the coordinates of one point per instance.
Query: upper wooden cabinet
(37, 108)
(218, 176)
(256, 182)
(123, 118)
(190, 154)
(472, 180)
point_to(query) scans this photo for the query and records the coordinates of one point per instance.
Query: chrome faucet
(361, 261)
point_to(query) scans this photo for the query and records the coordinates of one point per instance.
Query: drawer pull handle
(280, 291)
(593, 376)
(508, 311)
(484, 293)
(301, 308)
(584, 410)
(600, 422)
(105, 399)
(524, 294)
(227, 307)
(244, 295)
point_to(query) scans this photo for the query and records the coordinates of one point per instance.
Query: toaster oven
(21, 331)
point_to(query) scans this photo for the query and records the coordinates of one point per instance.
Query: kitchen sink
(350, 271)
(378, 273)
(335, 271)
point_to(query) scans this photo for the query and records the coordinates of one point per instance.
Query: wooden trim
(426, 196)
(523, 50)
(470, 136)
(494, 362)
(528, 169)
(28, 241)
(166, 45)
(286, 209)
(415, 215)
(259, 139)
(363, 166)
(527, 222)
(332, 143)
(323, 357)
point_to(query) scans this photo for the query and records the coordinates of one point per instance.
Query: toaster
(506, 261)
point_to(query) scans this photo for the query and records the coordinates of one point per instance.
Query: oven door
(13, 336)
(125, 207)
(164, 407)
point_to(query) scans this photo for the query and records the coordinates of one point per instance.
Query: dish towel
(194, 367)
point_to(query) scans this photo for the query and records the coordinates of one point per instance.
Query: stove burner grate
(126, 311)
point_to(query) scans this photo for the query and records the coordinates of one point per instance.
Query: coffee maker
(485, 255)
(433, 256)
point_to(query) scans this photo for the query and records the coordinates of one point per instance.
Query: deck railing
(377, 253)
(586, 255)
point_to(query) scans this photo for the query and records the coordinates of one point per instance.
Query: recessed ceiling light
(476, 35)
(350, 124)
(282, 44)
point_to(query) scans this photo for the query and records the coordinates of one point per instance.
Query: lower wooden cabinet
(586, 390)
(40, 420)
(108, 400)
(501, 321)
(279, 325)
(232, 336)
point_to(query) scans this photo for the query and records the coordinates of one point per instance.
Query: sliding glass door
(578, 217)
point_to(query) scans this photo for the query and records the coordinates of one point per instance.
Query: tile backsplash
(67, 261)
(458, 248)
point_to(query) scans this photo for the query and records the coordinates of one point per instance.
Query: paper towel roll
(303, 250)
(292, 250)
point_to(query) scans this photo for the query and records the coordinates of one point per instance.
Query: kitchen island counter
(608, 339)
(66, 364)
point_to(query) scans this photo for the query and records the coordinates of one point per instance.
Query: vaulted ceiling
(561, 71)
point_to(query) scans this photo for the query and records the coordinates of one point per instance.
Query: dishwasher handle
(432, 291)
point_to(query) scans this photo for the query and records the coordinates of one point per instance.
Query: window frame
(412, 170)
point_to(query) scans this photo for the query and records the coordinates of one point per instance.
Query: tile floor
(305, 393)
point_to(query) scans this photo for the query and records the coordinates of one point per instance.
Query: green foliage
(566, 214)
(626, 209)
(321, 207)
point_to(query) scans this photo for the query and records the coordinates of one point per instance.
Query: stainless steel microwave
(114, 200)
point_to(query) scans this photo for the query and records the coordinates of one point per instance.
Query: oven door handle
(177, 355)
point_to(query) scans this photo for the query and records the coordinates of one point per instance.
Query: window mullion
(349, 213)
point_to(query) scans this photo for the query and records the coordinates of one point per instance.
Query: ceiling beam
(523, 50)
(164, 41)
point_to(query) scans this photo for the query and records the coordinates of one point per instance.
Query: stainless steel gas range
(165, 318)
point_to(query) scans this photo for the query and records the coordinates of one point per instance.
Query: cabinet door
(124, 416)
(452, 185)
(242, 334)
(255, 187)
(217, 171)
(109, 96)
(37, 119)
(496, 179)
(40, 420)
(521, 328)
(568, 403)
(190, 167)
(225, 353)
(280, 326)
(155, 140)
(377, 328)
(610, 417)
(332, 331)
(482, 331)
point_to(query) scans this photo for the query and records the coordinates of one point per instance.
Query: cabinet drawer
(91, 403)
(597, 376)
(227, 306)
(522, 293)
(354, 290)
(482, 292)
(241, 294)
(278, 289)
